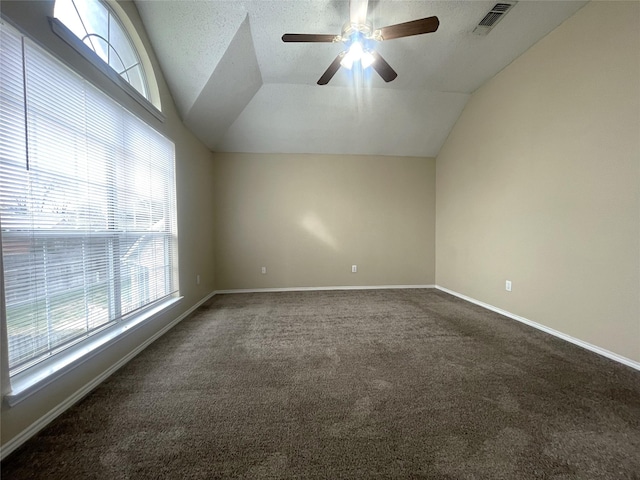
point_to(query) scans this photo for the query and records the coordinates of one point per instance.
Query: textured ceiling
(239, 88)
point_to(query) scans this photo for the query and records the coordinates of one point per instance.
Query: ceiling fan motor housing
(349, 29)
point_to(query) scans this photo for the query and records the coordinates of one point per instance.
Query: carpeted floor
(349, 384)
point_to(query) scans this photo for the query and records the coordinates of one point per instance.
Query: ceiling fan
(359, 39)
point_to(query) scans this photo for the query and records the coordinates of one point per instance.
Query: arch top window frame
(92, 27)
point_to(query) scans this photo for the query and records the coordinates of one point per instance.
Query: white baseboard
(43, 421)
(600, 351)
(311, 289)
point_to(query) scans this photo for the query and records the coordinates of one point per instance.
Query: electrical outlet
(354, 268)
(198, 279)
(264, 270)
(507, 286)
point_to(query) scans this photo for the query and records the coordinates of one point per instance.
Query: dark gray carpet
(349, 384)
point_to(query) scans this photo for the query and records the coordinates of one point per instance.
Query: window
(94, 23)
(87, 207)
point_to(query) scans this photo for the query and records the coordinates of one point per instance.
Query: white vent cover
(496, 14)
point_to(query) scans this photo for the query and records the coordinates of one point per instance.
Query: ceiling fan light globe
(347, 61)
(367, 59)
(354, 54)
(356, 51)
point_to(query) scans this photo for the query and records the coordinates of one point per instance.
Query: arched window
(101, 29)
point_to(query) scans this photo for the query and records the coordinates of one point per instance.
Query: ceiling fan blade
(307, 37)
(414, 27)
(381, 66)
(358, 11)
(331, 71)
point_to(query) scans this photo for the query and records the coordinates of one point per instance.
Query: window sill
(35, 378)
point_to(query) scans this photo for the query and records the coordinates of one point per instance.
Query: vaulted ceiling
(239, 88)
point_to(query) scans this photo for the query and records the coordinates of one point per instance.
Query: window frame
(61, 30)
(31, 379)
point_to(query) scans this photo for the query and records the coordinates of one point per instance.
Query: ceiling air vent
(489, 21)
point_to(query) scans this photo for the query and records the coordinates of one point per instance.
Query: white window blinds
(87, 206)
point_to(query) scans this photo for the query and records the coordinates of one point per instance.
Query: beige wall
(194, 171)
(539, 183)
(308, 218)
